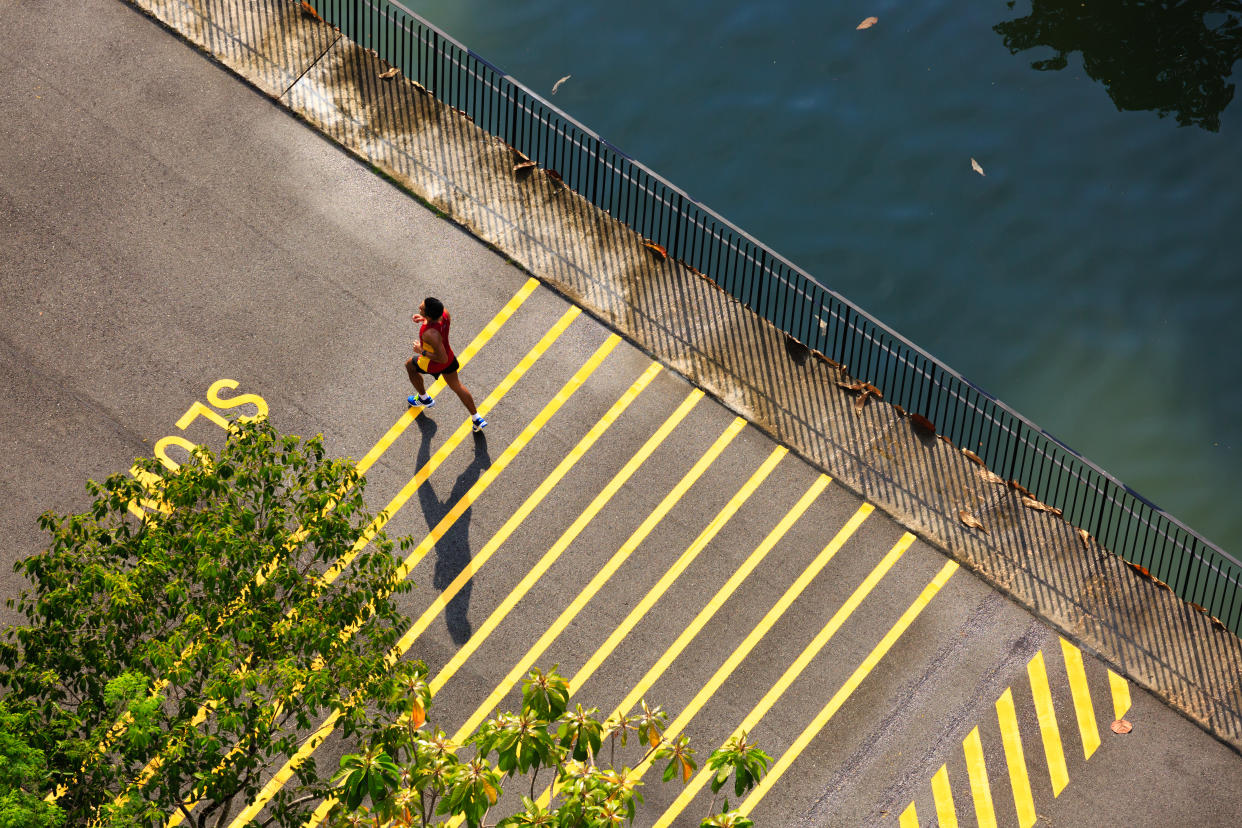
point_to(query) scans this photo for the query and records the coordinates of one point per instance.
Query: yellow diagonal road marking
(458, 509)
(485, 479)
(562, 543)
(839, 698)
(1048, 729)
(1015, 759)
(809, 652)
(713, 606)
(1121, 694)
(942, 794)
(980, 789)
(597, 583)
(482, 338)
(1085, 713)
(674, 572)
(567, 537)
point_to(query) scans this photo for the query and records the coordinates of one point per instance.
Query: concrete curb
(1159, 641)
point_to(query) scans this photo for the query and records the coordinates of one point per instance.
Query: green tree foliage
(412, 774)
(173, 659)
(23, 777)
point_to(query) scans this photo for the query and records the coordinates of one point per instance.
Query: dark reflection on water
(1171, 57)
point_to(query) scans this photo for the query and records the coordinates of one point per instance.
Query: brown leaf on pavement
(1121, 727)
(867, 23)
(922, 424)
(970, 520)
(1018, 487)
(974, 457)
(524, 165)
(309, 11)
(1030, 502)
(390, 74)
(1085, 537)
(660, 252)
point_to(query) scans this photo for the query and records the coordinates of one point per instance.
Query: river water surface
(1089, 278)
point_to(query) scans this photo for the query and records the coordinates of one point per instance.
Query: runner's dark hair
(434, 308)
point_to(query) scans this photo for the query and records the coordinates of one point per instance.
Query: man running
(434, 356)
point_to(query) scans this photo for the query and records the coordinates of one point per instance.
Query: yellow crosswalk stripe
(799, 664)
(980, 789)
(674, 572)
(1081, 693)
(713, 606)
(910, 817)
(1015, 759)
(563, 542)
(842, 695)
(946, 814)
(1121, 695)
(705, 615)
(1048, 729)
(464, 503)
(597, 583)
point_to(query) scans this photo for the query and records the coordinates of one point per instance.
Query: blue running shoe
(479, 423)
(425, 401)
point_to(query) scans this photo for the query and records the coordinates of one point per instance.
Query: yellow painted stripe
(1083, 709)
(563, 542)
(1023, 801)
(1048, 728)
(910, 817)
(510, 525)
(674, 572)
(1121, 695)
(377, 450)
(705, 615)
(482, 338)
(839, 698)
(458, 509)
(980, 789)
(799, 664)
(597, 583)
(946, 814)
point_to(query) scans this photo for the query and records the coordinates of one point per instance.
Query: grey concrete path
(163, 226)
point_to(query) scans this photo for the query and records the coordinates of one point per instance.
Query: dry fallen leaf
(974, 457)
(970, 520)
(1031, 503)
(656, 249)
(309, 11)
(974, 165)
(524, 165)
(1121, 727)
(1013, 484)
(868, 23)
(1085, 537)
(922, 424)
(390, 74)
(557, 85)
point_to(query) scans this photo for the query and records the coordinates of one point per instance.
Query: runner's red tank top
(441, 325)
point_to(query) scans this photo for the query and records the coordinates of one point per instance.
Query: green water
(1089, 279)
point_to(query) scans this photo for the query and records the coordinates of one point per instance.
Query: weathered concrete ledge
(1147, 633)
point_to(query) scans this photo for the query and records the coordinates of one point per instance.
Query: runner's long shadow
(453, 548)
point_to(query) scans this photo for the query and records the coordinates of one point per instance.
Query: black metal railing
(1120, 519)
